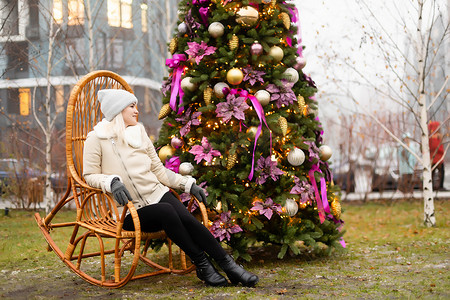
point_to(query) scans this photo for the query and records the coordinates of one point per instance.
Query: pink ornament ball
(176, 142)
(300, 63)
(256, 49)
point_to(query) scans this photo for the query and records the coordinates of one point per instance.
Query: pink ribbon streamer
(322, 201)
(260, 113)
(176, 64)
(296, 20)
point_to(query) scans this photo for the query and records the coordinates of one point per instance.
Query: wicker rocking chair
(96, 247)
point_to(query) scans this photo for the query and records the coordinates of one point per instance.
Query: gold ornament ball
(235, 76)
(263, 97)
(187, 84)
(291, 207)
(296, 157)
(165, 152)
(252, 131)
(276, 53)
(325, 152)
(247, 16)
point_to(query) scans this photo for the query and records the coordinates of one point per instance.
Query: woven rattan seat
(96, 247)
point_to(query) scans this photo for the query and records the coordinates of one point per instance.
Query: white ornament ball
(218, 89)
(296, 157)
(182, 28)
(276, 53)
(325, 152)
(186, 168)
(216, 29)
(263, 97)
(300, 63)
(291, 207)
(291, 75)
(188, 85)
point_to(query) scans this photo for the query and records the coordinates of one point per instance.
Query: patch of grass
(390, 254)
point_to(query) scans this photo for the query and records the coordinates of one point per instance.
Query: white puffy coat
(136, 163)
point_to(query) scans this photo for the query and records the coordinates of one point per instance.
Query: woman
(120, 159)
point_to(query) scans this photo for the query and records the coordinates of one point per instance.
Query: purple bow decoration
(204, 15)
(176, 64)
(173, 164)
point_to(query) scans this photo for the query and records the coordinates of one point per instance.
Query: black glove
(120, 192)
(199, 193)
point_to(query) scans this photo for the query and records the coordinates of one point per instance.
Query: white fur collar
(133, 134)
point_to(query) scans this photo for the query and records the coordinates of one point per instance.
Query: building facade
(55, 42)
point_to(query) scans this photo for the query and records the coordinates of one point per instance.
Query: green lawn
(390, 254)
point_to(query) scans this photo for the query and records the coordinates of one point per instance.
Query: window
(9, 17)
(24, 102)
(13, 101)
(75, 10)
(17, 53)
(120, 13)
(58, 11)
(144, 21)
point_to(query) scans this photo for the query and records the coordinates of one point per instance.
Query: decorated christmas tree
(240, 116)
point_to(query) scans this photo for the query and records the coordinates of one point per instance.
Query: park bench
(93, 243)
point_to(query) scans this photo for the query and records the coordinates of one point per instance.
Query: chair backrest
(83, 113)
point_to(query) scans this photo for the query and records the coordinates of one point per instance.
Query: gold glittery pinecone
(282, 122)
(234, 42)
(231, 161)
(164, 112)
(301, 103)
(336, 209)
(207, 94)
(286, 20)
(173, 45)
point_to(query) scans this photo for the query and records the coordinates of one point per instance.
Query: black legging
(180, 226)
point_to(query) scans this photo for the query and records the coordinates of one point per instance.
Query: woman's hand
(198, 193)
(120, 192)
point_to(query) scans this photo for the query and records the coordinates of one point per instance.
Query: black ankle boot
(236, 273)
(207, 272)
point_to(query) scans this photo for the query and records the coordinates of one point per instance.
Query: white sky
(333, 28)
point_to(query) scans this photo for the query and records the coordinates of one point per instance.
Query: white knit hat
(112, 102)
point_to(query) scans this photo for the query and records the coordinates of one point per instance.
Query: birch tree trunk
(429, 217)
(49, 122)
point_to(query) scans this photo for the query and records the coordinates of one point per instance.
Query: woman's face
(130, 114)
